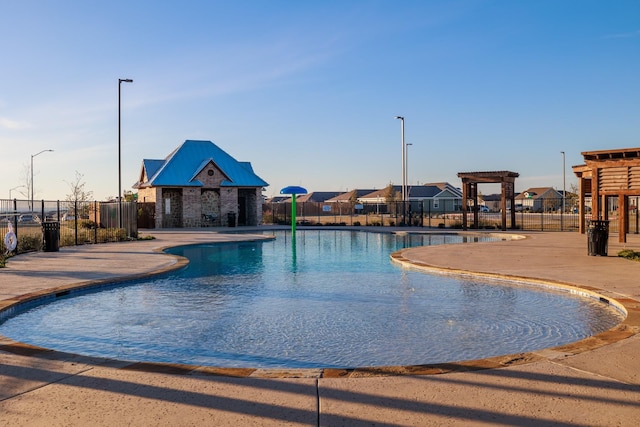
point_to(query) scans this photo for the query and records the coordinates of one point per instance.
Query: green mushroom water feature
(293, 191)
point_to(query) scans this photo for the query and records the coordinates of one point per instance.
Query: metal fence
(79, 222)
(415, 214)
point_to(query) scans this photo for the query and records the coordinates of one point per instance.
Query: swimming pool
(332, 299)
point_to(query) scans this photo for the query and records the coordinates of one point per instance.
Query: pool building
(199, 184)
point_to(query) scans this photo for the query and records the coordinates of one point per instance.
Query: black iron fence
(447, 214)
(77, 222)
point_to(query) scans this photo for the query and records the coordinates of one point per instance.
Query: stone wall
(171, 208)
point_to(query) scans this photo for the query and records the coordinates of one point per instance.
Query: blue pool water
(335, 300)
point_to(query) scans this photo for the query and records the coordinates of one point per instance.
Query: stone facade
(209, 205)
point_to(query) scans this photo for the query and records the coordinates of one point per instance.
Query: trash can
(598, 237)
(51, 231)
(231, 219)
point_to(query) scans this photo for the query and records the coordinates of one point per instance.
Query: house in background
(542, 199)
(350, 196)
(432, 197)
(316, 196)
(199, 184)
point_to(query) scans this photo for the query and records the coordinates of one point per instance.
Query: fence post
(75, 211)
(95, 221)
(15, 219)
(562, 214)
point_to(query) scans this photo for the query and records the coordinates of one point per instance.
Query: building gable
(182, 167)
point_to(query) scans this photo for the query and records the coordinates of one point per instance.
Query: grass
(629, 254)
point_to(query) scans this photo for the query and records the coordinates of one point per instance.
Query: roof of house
(538, 192)
(425, 191)
(180, 168)
(345, 197)
(317, 196)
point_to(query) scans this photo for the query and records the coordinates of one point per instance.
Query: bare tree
(78, 197)
(391, 197)
(571, 200)
(25, 180)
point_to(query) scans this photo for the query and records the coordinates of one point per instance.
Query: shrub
(629, 254)
(29, 243)
(88, 225)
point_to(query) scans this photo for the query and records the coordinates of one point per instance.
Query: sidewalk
(593, 382)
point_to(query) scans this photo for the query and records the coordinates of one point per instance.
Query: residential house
(199, 184)
(432, 197)
(540, 199)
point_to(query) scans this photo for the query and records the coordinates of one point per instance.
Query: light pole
(120, 156)
(32, 156)
(406, 168)
(404, 175)
(564, 189)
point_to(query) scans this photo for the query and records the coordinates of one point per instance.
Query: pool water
(327, 299)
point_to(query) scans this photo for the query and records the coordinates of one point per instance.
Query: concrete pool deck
(594, 382)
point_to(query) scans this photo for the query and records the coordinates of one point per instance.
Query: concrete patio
(589, 383)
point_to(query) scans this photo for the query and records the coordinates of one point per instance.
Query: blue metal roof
(180, 167)
(151, 166)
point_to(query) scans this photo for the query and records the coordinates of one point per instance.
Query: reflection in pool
(333, 301)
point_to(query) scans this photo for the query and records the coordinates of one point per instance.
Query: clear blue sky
(307, 91)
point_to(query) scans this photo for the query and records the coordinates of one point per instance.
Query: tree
(78, 196)
(391, 197)
(571, 198)
(26, 181)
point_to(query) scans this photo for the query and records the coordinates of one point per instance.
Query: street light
(564, 189)
(120, 156)
(15, 188)
(406, 169)
(32, 156)
(404, 175)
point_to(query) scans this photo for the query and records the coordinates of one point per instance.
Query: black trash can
(231, 219)
(51, 231)
(598, 236)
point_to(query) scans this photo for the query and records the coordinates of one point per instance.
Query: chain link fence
(77, 222)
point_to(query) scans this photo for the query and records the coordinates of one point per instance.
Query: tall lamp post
(404, 172)
(564, 184)
(32, 156)
(407, 182)
(406, 168)
(120, 155)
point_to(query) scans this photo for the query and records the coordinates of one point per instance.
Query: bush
(629, 254)
(29, 243)
(88, 225)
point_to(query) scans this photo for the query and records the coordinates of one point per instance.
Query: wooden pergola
(470, 181)
(609, 173)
